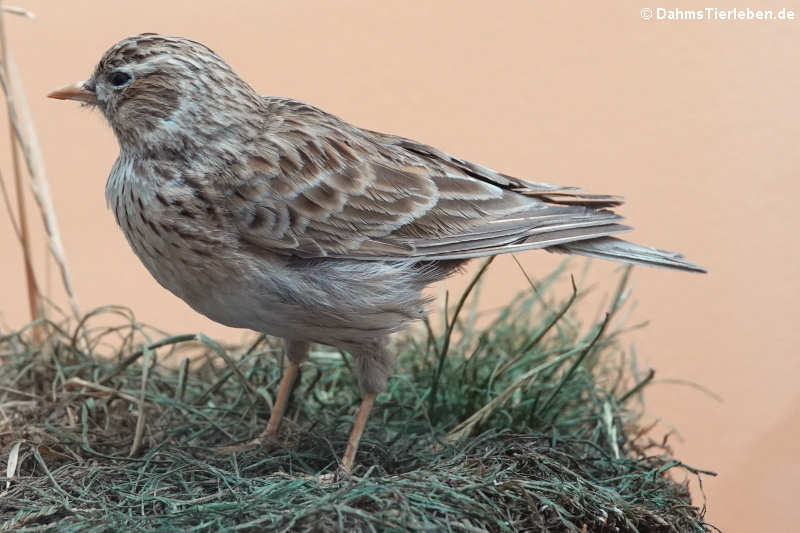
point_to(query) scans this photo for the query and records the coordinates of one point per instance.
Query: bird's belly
(216, 287)
(337, 303)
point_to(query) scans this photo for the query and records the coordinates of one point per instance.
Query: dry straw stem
(21, 228)
(14, 10)
(21, 231)
(25, 133)
(557, 447)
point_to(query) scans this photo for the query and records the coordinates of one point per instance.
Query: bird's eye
(118, 79)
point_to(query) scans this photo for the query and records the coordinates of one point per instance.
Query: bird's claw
(268, 442)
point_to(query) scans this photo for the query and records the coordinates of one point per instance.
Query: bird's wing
(363, 195)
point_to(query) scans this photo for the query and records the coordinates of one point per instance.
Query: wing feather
(318, 187)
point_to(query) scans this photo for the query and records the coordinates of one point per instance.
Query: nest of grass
(524, 424)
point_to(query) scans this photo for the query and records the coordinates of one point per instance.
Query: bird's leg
(296, 352)
(374, 364)
(358, 429)
(284, 392)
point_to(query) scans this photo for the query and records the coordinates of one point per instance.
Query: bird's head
(155, 89)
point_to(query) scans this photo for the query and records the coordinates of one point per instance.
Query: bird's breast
(178, 234)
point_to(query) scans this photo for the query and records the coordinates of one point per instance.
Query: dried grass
(23, 136)
(534, 427)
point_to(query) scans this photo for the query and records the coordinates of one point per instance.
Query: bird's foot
(331, 478)
(267, 441)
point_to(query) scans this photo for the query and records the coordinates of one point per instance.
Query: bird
(270, 214)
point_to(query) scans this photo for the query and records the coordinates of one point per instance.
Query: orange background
(696, 123)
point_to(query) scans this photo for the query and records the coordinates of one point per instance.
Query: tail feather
(615, 249)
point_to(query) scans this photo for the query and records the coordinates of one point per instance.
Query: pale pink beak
(75, 91)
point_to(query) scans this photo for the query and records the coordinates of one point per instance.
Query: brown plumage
(270, 214)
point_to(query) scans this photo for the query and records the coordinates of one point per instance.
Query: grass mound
(524, 424)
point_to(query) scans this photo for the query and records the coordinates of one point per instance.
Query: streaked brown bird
(269, 214)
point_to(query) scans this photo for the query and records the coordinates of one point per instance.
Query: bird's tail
(615, 249)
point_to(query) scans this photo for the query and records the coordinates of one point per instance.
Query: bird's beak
(75, 91)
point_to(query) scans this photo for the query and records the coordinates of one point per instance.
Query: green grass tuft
(525, 423)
